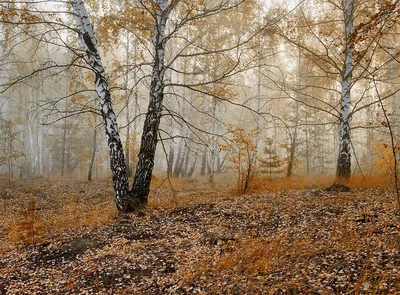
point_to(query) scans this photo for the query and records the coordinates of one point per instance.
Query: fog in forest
(199, 147)
(271, 74)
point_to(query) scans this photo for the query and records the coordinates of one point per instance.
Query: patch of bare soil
(294, 242)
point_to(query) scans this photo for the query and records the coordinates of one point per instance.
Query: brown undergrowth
(30, 210)
(262, 183)
(293, 238)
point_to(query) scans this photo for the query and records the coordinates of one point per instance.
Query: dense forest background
(274, 71)
(199, 147)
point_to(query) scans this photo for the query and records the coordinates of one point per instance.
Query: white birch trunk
(127, 139)
(117, 159)
(257, 137)
(343, 169)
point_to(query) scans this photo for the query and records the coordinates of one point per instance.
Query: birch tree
(343, 169)
(117, 159)
(167, 22)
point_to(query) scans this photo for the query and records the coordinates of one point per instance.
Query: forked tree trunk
(343, 170)
(117, 159)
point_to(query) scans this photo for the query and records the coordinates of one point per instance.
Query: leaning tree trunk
(142, 180)
(117, 159)
(343, 169)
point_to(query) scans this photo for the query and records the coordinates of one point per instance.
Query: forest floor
(65, 237)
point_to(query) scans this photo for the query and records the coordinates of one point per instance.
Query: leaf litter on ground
(288, 242)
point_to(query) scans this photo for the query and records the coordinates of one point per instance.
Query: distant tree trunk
(297, 118)
(370, 131)
(9, 171)
(68, 160)
(40, 140)
(192, 166)
(171, 144)
(64, 139)
(50, 170)
(31, 151)
(186, 165)
(136, 110)
(41, 150)
(343, 170)
(218, 170)
(307, 148)
(203, 161)
(221, 164)
(179, 167)
(257, 137)
(127, 139)
(183, 148)
(213, 152)
(170, 159)
(93, 153)
(181, 143)
(117, 159)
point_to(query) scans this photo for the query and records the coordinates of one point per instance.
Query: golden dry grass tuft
(32, 211)
(260, 184)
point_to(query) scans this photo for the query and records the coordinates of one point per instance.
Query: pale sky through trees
(181, 147)
(285, 78)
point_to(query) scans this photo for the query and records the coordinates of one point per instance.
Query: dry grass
(288, 237)
(62, 205)
(328, 244)
(262, 184)
(30, 211)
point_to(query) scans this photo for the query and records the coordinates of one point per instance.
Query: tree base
(132, 203)
(337, 187)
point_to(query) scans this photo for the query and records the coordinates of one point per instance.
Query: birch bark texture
(148, 145)
(117, 159)
(343, 170)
